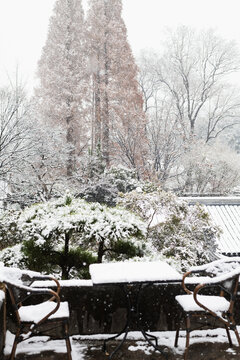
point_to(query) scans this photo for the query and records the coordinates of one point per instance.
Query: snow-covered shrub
(9, 232)
(68, 234)
(124, 179)
(12, 256)
(94, 165)
(106, 187)
(182, 234)
(102, 191)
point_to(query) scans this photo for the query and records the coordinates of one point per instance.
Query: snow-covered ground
(80, 343)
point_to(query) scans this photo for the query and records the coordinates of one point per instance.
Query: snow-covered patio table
(133, 272)
(127, 274)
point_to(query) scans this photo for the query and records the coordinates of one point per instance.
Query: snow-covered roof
(225, 212)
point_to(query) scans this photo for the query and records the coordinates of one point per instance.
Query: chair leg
(188, 325)
(14, 347)
(177, 330)
(228, 335)
(68, 344)
(177, 335)
(234, 328)
(4, 317)
(237, 334)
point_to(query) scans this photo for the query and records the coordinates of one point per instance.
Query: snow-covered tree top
(89, 220)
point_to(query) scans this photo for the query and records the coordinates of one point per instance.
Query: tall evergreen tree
(61, 70)
(118, 121)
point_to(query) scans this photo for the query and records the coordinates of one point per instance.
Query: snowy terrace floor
(207, 345)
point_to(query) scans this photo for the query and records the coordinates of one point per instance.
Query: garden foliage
(66, 235)
(181, 234)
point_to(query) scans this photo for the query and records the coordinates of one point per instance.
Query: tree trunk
(97, 127)
(100, 251)
(71, 144)
(106, 106)
(65, 269)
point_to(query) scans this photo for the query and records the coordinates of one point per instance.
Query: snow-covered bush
(182, 234)
(65, 235)
(68, 234)
(106, 187)
(124, 179)
(12, 256)
(101, 191)
(9, 231)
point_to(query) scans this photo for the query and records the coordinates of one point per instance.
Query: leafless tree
(188, 97)
(148, 80)
(215, 169)
(195, 70)
(15, 139)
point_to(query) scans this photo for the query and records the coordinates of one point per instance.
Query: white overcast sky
(24, 24)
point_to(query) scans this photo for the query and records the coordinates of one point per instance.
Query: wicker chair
(33, 320)
(212, 299)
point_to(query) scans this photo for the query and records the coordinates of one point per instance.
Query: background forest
(88, 160)
(172, 117)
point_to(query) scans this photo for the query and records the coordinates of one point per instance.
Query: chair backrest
(230, 286)
(222, 266)
(20, 291)
(218, 268)
(227, 283)
(16, 298)
(225, 268)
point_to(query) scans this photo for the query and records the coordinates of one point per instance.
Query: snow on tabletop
(127, 272)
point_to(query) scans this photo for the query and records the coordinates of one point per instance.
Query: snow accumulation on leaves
(12, 256)
(182, 234)
(70, 233)
(144, 226)
(93, 220)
